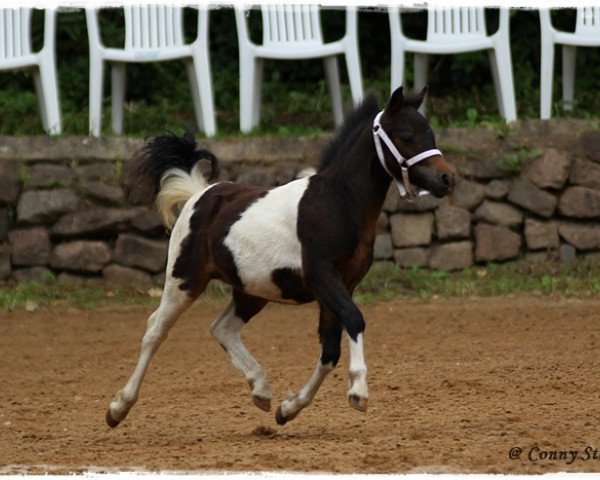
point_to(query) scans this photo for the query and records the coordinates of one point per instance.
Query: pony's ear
(416, 100)
(396, 100)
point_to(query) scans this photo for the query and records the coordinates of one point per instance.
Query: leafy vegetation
(384, 282)
(295, 98)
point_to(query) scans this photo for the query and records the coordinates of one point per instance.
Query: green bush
(295, 98)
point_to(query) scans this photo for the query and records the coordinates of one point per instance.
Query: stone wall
(63, 209)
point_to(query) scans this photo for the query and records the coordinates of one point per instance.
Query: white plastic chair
(587, 34)
(292, 32)
(452, 30)
(153, 33)
(16, 53)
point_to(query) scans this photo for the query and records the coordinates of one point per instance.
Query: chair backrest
(446, 23)
(152, 27)
(15, 39)
(588, 21)
(291, 24)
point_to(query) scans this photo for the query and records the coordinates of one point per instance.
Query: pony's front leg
(331, 292)
(330, 332)
(358, 392)
(226, 330)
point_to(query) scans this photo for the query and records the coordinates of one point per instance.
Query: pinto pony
(308, 240)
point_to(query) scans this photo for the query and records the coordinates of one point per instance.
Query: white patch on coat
(181, 230)
(265, 239)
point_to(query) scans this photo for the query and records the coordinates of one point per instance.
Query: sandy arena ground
(455, 386)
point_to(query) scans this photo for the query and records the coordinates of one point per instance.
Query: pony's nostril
(447, 179)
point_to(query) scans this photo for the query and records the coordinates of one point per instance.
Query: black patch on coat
(290, 283)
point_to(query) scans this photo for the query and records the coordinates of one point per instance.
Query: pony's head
(406, 146)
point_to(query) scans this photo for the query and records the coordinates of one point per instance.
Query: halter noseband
(379, 135)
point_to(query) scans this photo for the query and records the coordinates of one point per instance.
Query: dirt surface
(454, 386)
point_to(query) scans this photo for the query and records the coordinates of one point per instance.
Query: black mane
(353, 123)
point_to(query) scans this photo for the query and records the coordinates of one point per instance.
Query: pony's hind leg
(330, 333)
(226, 330)
(173, 303)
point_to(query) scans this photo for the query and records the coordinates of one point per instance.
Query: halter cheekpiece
(404, 185)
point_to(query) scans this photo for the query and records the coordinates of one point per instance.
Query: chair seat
(293, 32)
(587, 34)
(153, 33)
(16, 54)
(455, 30)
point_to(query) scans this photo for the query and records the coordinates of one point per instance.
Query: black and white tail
(169, 170)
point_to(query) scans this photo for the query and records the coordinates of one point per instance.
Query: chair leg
(202, 92)
(47, 90)
(421, 71)
(96, 87)
(118, 82)
(354, 74)
(39, 90)
(333, 82)
(496, 80)
(248, 86)
(546, 78)
(257, 91)
(569, 57)
(397, 68)
(502, 65)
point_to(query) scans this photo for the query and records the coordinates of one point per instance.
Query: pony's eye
(406, 137)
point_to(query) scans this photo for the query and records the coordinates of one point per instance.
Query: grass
(384, 282)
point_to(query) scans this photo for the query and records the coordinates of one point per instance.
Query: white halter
(404, 185)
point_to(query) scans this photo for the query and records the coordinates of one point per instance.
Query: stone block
(383, 223)
(498, 213)
(42, 175)
(591, 145)
(148, 222)
(423, 203)
(452, 222)
(497, 189)
(30, 246)
(46, 206)
(32, 274)
(581, 236)
(5, 223)
(80, 256)
(392, 199)
(5, 265)
(467, 194)
(136, 251)
(383, 249)
(103, 193)
(126, 277)
(551, 170)
(585, 174)
(93, 221)
(568, 254)
(411, 257)
(580, 202)
(97, 171)
(525, 194)
(495, 243)
(482, 168)
(9, 182)
(411, 229)
(256, 175)
(540, 235)
(451, 256)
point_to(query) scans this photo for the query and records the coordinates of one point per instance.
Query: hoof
(262, 403)
(359, 403)
(111, 422)
(281, 420)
